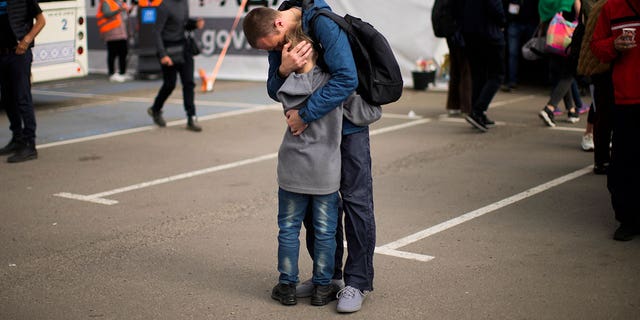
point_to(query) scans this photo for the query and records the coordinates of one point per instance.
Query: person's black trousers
(169, 78)
(604, 100)
(15, 86)
(623, 177)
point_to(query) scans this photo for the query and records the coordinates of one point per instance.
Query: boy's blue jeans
(292, 208)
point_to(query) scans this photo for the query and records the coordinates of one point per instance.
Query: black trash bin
(421, 79)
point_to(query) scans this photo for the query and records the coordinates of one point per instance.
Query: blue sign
(148, 15)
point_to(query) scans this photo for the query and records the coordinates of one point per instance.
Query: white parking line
(391, 248)
(140, 99)
(568, 129)
(99, 198)
(169, 124)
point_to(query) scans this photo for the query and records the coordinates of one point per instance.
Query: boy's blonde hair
(296, 36)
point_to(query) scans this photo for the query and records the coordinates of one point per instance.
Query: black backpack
(442, 19)
(379, 78)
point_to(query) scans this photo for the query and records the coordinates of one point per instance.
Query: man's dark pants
(356, 189)
(486, 60)
(623, 176)
(604, 100)
(169, 78)
(15, 86)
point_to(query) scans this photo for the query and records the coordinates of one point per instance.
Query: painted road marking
(169, 124)
(141, 99)
(391, 248)
(567, 129)
(99, 198)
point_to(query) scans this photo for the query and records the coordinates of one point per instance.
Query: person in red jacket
(615, 41)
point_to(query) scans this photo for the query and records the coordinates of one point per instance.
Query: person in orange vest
(113, 30)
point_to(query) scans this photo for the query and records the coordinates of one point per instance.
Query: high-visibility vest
(107, 24)
(147, 3)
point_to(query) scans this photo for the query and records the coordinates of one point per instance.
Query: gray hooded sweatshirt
(309, 163)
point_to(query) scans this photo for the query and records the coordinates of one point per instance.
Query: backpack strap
(340, 21)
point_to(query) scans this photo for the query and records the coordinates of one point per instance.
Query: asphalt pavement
(119, 219)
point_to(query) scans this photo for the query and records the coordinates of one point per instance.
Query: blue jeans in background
(517, 35)
(292, 208)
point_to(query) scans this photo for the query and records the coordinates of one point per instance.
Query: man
(169, 34)
(484, 39)
(266, 29)
(615, 40)
(17, 32)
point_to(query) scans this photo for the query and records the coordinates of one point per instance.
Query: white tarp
(405, 23)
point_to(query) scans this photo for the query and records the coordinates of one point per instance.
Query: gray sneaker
(305, 289)
(350, 299)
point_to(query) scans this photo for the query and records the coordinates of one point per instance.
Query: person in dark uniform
(17, 32)
(169, 33)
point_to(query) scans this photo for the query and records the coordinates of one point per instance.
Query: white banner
(405, 23)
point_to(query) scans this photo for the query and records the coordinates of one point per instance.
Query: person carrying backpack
(266, 29)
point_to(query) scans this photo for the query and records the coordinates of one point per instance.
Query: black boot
(322, 295)
(11, 147)
(157, 117)
(27, 151)
(285, 293)
(192, 124)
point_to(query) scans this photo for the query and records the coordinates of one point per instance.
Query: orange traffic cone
(207, 83)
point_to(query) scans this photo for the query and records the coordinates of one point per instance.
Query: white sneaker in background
(127, 77)
(116, 77)
(587, 142)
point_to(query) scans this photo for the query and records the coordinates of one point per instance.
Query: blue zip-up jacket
(338, 62)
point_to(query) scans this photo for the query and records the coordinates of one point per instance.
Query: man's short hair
(259, 23)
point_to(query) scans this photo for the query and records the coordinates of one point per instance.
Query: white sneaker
(587, 142)
(305, 289)
(127, 77)
(350, 299)
(116, 77)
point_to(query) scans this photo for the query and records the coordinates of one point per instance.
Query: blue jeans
(575, 93)
(292, 208)
(310, 239)
(518, 34)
